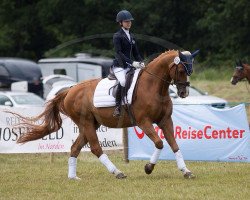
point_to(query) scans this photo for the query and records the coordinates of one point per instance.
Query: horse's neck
(156, 75)
(160, 66)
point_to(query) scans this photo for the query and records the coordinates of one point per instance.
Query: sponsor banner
(202, 133)
(60, 141)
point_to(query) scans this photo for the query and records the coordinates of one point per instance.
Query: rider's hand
(142, 64)
(138, 65)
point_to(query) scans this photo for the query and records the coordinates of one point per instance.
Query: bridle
(179, 83)
(174, 81)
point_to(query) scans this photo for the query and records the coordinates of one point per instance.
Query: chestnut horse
(241, 72)
(151, 104)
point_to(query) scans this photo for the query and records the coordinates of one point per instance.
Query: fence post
(125, 144)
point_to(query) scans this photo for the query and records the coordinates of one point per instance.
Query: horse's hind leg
(96, 149)
(168, 131)
(75, 150)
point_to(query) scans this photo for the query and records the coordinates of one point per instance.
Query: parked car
(18, 70)
(197, 96)
(20, 99)
(54, 84)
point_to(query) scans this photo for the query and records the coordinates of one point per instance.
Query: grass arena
(43, 176)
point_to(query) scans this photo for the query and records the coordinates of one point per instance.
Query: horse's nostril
(182, 94)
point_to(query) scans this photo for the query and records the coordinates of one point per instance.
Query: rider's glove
(142, 64)
(138, 64)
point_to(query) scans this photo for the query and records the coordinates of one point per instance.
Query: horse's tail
(50, 118)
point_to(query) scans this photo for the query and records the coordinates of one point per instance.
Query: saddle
(129, 78)
(104, 95)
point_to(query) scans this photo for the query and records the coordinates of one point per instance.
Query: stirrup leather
(117, 112)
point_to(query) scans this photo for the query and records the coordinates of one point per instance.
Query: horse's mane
(161, 56)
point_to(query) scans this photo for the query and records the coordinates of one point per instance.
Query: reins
(164, 80)
(173, 82)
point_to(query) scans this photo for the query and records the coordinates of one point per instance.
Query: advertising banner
(202, 133)
(60, 141)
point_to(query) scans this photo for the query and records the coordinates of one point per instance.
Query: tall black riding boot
(118, 100)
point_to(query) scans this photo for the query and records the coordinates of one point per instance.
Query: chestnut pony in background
(241, 72)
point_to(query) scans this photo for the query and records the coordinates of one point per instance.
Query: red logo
(207, 132)
(141, 134)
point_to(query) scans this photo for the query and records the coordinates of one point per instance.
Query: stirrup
(117, 112)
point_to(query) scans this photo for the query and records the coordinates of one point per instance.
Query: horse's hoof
(120, 176)
(149, 167)
(75, 178)
(189, 175)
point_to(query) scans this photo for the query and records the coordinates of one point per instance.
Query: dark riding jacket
(126, 50)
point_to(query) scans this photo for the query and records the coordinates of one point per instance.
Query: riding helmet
(124, 15)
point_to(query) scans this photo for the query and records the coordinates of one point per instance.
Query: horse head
(180, 70)
(238, 74)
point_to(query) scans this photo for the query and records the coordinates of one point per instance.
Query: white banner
(60, 141)
(202, 133)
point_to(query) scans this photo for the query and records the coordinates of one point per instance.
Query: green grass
(212, 74)
(33, 176)
(224, 89)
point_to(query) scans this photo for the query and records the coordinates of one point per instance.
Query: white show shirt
(127, 33)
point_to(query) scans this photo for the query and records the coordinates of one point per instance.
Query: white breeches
(120, 74)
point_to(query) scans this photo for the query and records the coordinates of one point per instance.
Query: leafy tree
(36, 28)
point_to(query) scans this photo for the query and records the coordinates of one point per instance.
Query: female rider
(126, 54)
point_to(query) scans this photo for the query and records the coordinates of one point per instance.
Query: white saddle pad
(103, 94)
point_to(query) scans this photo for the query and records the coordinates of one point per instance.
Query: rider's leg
(118, 100)
(120, 75)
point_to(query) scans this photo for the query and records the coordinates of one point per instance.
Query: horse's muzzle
(183, 92)
(234, 80)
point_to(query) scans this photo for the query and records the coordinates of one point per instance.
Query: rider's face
(126, 24)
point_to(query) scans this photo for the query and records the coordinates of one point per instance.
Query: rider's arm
(119, 55)
(135, 50)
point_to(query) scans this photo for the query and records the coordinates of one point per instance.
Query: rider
(126, 54)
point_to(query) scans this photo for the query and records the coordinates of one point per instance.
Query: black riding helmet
(124, 15)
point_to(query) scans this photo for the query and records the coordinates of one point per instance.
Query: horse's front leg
(168, 131)
(148, 128)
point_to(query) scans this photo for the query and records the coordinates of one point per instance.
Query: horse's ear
(182, 56)
(195, 53)
(240, 63)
